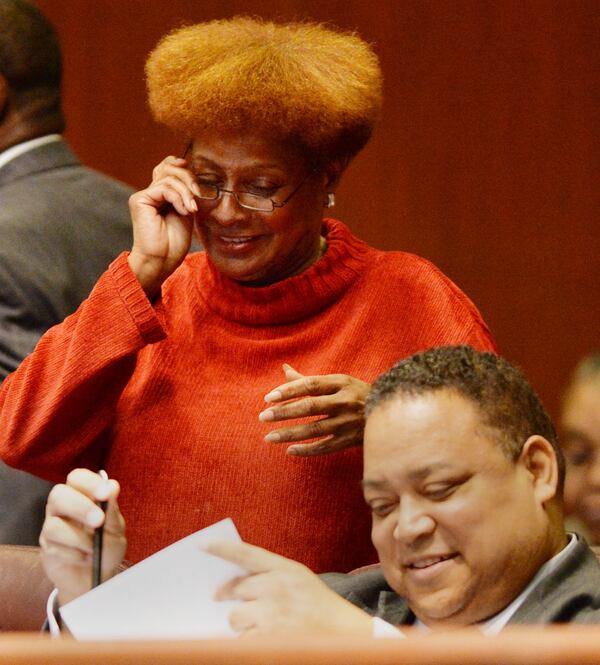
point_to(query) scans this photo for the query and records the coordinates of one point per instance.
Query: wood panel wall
(485, 161)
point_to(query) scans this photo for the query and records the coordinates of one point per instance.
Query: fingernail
(194, 205)
(266, 415)
(103, 492)
(196, 189)
(293, 451)
(273, 396)
(273, 437)
(94, 517)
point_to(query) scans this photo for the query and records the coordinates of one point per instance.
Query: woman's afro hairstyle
(304, 82)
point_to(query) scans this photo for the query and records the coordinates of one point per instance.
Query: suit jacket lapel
(394, 609)
(390, 608)
(560, 597)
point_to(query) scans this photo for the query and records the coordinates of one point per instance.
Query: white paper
(169, 595)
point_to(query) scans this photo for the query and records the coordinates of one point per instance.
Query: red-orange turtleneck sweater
(166, 396)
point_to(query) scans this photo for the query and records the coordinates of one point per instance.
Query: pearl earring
(330, 200)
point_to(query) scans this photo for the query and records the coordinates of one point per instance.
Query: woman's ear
(332, 173)
(539, 460)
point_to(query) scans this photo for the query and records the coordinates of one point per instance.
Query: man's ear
(539, 460)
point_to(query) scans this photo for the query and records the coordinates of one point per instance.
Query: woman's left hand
(338, 397)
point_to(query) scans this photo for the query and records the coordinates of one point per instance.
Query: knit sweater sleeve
(421, 306)
(452, 318)
(475, 331)
(57, 407)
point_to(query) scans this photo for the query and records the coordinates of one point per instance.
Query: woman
(580, 439)
(162, 375)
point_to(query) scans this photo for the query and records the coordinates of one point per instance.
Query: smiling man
(464, 477)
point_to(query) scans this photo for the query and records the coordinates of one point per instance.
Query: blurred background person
(580, 439)
(170, 373)
(60, 223)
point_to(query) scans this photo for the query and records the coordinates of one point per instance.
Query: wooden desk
(516, 646)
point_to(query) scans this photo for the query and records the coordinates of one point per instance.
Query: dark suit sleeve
(20, 331)
(20, 328)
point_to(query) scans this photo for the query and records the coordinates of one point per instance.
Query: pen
(98, 537)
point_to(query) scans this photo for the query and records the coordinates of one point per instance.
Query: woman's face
(249, 246)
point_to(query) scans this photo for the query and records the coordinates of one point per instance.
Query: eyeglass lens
(245, 199)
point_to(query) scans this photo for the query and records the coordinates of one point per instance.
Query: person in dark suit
(463, 476)
(61, 223)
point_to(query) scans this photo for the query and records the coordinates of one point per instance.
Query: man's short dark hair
(30, 58)
(505, 399)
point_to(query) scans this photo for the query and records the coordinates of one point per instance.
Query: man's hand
(68, 532)
(283, 597)
(338, 397)
(162, 222)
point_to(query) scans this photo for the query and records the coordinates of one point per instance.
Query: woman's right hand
(66, 541)
(162, 223)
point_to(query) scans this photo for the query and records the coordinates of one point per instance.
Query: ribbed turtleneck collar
(294, 298)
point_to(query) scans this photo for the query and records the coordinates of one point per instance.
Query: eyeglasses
(247, 200)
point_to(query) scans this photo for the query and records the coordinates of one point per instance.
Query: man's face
(457, 525)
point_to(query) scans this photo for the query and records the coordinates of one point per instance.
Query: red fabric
(166, 398)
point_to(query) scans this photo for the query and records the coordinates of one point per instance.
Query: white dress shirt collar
(16, 150)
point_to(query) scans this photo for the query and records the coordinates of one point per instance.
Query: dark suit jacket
(570, 595)
(61, 224)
